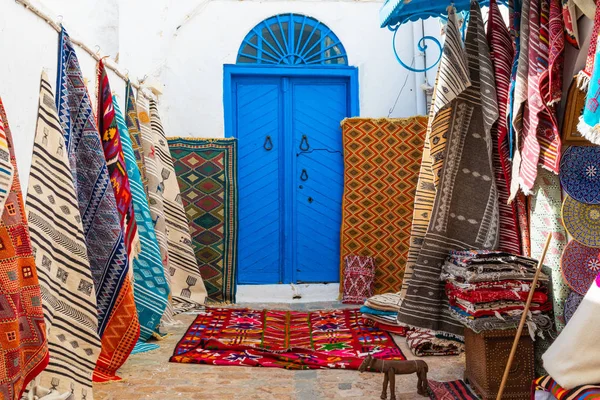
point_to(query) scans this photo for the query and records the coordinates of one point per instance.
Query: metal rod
(83, 46)
(523, 318)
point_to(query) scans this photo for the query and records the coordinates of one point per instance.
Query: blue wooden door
(259, 123)
(290, 177)
(317, 110)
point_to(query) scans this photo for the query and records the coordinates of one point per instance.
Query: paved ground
(151, 376)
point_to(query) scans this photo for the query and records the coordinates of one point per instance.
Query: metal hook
(60, 19)
(98, 50)
(302, 142)
(268, 145)
(304, 176)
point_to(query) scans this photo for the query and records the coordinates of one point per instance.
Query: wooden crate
(486, 357)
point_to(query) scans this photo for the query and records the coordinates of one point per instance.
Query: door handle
(304, 176)
(268, 145)
(304, 146)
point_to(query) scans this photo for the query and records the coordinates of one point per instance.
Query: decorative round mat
(582, 221)
(580, 173)
(571, 304)
(580, 265)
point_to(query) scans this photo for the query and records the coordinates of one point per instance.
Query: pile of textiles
(381, 311)
(546, 388)
(488, 290)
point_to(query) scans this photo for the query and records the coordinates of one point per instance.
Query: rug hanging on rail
(155, 188)
(207, 175)
(283, 339)
(68, 293)
(151, 290)
(381, 166)
(188, 291)
(24, 349)
(109, 262)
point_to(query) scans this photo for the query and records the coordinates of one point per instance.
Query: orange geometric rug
(382, 158)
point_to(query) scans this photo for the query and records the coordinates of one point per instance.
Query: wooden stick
(523, 318)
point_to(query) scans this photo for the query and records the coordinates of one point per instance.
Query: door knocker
(268, 145)
(304, 176)
(304, 146)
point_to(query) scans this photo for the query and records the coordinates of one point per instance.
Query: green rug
(207, 174)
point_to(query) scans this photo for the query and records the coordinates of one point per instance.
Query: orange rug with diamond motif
(382, 158)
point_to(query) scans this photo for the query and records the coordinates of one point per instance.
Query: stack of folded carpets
(488, 290)
(381, 311)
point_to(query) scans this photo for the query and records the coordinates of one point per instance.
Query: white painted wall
(184, 45)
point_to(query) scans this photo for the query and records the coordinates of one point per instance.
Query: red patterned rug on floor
(283, 339)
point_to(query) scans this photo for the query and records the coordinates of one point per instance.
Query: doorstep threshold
(288, 293)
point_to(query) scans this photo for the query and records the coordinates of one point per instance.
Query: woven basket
(486, 357)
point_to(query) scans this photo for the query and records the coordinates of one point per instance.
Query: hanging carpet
(452, 79)
(465, 212)
(151, 290)
(502, 54)
(109, 262)
(283, 339)
(545, 218)
(133, 127)
(589, 123)
(58, 241)
(207, 175)
(23, 345)
(381, 166)
(187, 287)
(155, 188)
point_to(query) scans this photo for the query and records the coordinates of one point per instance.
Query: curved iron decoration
(304, 176)
(268, 145)
(421, 44)
(304, 141)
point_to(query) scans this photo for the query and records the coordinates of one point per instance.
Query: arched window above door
(292, 40)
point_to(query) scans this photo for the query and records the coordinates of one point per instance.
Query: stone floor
(151, 376)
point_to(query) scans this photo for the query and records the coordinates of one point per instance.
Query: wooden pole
(523, 318)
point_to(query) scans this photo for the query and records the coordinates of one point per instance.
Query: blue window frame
(292, 40)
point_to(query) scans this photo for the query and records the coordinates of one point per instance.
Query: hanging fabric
(465, 213)
(187, 287)
(569, 11)
(155, 189)
(589, 123)
(151, 290)
(502, 54)
(133, 127)
(24, 348)
(556, 57)
(57, 238)
(107, 253)
(452, 79)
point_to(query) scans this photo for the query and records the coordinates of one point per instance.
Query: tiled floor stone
(149, 376)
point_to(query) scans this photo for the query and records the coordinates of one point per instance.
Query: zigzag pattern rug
(68, 293)
(381, 166)
(207, 175)
(283, 339)
(151, 290)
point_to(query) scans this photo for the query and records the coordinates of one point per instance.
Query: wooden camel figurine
(391, 368)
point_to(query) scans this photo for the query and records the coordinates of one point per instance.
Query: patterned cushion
(359, 273)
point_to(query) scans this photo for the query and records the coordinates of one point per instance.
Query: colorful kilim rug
(123, 329)
(465, 212)
(151, 291)
(545, 218)
(155, 189)
(115, 161)
(455, 390)
(207, 175)
(283, 339)
(55, 226)
(502, 53)
(133, 127)
(187, 287)
(381, 166)
(106, 249)
(547, 384)
(452, 79)
(23, 345)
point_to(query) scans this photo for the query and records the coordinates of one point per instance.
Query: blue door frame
(232, 72)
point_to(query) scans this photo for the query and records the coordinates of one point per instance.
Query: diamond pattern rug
(283, 339)
(206, 172)
(381, 167)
